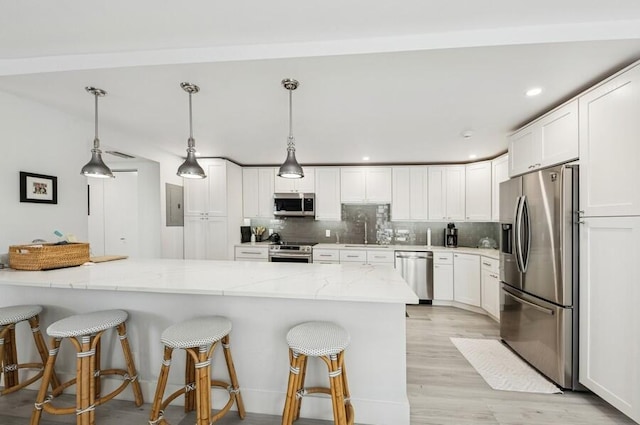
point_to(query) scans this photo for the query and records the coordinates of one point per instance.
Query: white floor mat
(501, 368)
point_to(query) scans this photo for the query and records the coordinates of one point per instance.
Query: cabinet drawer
(380, 256)
(489, 264)
(321, 255)
(351, 256)
(252, 253)
(442, 258)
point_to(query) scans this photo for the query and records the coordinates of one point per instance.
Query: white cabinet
(257, 192)
(213, 211)
(446, 193)
(409, 202)
(205, 238)
(442, 276)
(381, 256)
(609, 313)
(610, 148)
(365, 185)
(326, 256)
(552, 139)
(478, 191)
(499, 174)
(490, 286)
(327, 191)
(252, 253)
(466, 279)
(353, 256)
(303, 185)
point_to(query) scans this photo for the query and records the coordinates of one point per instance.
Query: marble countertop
(491, 253)
(339, 282)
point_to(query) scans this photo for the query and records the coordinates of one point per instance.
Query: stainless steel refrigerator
(539, 270)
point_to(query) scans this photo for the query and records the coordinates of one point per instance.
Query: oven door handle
(283, 255)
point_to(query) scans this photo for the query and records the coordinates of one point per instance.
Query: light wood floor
(443, 388)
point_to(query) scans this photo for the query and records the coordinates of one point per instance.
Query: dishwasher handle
(413, 255)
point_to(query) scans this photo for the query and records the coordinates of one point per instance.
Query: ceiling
(397, 84)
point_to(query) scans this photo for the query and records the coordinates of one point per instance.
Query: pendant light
(290, 169)
(190, 168)
(96, 167)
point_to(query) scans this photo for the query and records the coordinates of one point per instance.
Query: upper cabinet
(552, 139)
(365, 185)
(303, 185)
(610, 148)
(446, 193)
(409, 193)
(499, 174)
(257, 192)
(207, 196)
(328, 193)
(478, 191)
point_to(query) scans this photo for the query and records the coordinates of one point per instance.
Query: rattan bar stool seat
(199, 338)
(327, 341)
(84, 331)
(196, 332)
(18, 313)
(9, 366)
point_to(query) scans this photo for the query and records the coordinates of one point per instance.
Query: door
(466, 279)
(455, 192)
(540, 332)
(609, 148)
(547, 223)
(609, 314)
(510, 193)
(478, 191)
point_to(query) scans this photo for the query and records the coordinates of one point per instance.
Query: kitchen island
(263, 300)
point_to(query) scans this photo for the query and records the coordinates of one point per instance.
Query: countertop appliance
(417, 270)
(291, 252)
(294, 204)
(451, 236)
(539, 270)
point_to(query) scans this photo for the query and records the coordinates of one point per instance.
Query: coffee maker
(451, 236)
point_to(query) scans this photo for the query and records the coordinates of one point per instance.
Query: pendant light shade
(96, 166)
(290, 169)
(190, 168)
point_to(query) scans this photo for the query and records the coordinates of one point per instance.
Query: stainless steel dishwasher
(417, 270)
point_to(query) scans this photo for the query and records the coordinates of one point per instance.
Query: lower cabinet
(443, 276)
(490, 286)
(466, 279)
(326, 256)
(252, 253)
(609, 314)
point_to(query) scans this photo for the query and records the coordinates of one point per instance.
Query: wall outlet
(327, 233)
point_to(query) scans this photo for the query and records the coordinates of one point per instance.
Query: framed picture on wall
(38, 188)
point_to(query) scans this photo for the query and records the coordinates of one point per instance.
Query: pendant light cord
(96, 140)
(190, 119)
(291, 140)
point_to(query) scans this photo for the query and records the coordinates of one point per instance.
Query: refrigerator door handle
(532, 305)
(518, 235)
(527, 233)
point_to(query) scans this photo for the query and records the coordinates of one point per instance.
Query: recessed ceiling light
(534, 91)
(365, 158)
(473, 156)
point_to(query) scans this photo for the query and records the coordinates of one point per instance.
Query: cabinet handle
(353, 256)
(493, 276)
(486, 264)
(326, 255)
(581, 222)
(250, 252)
(538, 164)
(442, 258)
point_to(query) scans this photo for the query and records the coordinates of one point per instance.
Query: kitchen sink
(366, 246)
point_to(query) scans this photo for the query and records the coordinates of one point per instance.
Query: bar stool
(84, 331)
(9, 318)
(198, 337)
(327, 341)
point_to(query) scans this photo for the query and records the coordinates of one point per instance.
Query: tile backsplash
(379, 228)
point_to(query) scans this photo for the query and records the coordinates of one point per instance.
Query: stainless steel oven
(292, 252)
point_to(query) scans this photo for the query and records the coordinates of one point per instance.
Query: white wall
(38, 139)
(43, 140)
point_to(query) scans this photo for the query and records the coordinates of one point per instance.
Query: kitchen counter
(491, 253)
(263, 301)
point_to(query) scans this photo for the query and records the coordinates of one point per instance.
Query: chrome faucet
(365, 232)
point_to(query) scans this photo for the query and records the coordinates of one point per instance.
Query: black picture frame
(38, 188)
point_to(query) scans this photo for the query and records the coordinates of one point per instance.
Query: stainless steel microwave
(294, 204)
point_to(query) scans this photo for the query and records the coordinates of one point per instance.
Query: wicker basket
(47, 256)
